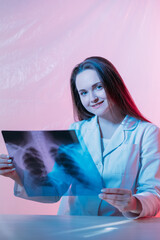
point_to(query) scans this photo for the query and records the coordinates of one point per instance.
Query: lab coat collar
(128, 124)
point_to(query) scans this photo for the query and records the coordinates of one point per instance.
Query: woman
(124, 146)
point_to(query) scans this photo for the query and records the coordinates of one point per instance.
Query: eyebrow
(92, 86)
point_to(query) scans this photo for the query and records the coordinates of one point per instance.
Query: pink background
(40, 43)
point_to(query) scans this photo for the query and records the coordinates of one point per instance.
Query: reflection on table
(24, 227)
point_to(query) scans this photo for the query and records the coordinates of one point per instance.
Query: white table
(26, 227)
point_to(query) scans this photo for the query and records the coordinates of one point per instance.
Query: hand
(7, 168)
(122, 199)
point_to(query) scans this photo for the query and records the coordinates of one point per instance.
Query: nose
(93, 97)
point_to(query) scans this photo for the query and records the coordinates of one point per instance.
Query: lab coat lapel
(128, 124)
(92, 140)
(116, 140)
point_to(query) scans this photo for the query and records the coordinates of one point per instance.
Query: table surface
(25, 227)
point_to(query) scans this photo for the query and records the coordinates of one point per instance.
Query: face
(92, 93)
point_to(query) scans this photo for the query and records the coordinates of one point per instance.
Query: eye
(83, 93)
(99, 87)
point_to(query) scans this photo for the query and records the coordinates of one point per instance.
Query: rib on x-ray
(35, 165)
(36, 154)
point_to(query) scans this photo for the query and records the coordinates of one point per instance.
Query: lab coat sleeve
(148, 181)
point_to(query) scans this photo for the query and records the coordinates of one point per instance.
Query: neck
(113, 116)
(109, 123)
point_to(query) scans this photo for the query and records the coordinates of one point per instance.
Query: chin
(101, 114)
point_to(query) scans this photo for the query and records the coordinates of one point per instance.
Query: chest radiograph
(40, 152)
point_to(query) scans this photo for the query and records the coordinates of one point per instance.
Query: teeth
(96, 104)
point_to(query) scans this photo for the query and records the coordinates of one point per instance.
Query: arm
(148, 182)
(146, 201)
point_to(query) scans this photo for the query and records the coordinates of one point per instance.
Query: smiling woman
(124, 146)
(92, 93)
(98, 70)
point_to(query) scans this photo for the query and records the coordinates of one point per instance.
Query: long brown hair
(113, 84)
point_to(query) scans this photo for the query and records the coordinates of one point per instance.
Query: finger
(119, 191)
(4, 165)
(6, 171)
(5, 160)
(118, 204)
(4, 156)
(116, 197)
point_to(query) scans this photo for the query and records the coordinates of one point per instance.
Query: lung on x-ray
(44, 159)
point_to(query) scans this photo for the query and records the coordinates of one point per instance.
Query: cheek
(84, 101)
(102, 94)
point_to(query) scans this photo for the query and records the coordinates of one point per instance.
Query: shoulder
(147, 132)
(148, 127)
(84, 124)
(142, 131)
(132, 123)
(144, 134)
(151, 134)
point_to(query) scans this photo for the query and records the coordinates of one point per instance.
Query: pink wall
(40, 43)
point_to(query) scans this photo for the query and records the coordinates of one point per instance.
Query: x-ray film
(51, 163)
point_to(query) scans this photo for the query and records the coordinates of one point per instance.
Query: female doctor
(124, 146)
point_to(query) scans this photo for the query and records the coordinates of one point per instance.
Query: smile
(97, 105)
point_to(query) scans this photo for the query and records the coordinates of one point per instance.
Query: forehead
(86, 79)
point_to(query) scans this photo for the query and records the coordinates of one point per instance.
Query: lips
(97, 105)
